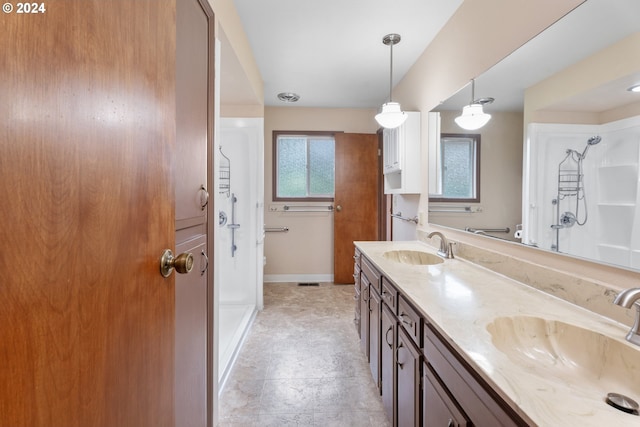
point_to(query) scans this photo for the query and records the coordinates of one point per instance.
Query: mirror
(563, 87)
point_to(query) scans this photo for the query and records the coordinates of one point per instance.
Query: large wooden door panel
(87, 138)
(356, 199)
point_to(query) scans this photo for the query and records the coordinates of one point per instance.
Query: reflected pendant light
(473, 117)
(391, 116)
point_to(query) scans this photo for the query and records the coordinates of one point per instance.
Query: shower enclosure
(584, 204)
(239, 236)
(571, 197)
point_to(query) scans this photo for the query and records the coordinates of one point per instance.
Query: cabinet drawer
(474, 398)
(410, 320)
(372, 274)
(389, 295)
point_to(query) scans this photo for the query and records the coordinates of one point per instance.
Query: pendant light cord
(473, 90)
(391, 73)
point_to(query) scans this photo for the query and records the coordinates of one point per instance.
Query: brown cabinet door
(364, 315)
(374, 335)
(192, 82)
(438, 407)
(387, 359)
(356, 199)
(408, 380)
(191, 337)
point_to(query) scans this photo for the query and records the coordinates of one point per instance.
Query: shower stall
(239, 236)
(581, 193)
(571, 197)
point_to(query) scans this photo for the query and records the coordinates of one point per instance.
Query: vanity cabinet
(423, 380)
(401, 157)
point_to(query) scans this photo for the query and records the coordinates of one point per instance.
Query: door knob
(339, 208)
(183, 263)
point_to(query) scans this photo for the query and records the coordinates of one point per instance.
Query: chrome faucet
(445, 247)
(627, 299)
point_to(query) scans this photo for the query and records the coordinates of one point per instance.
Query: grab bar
(399, 216)
(455, 209)
(301, 208)
(487, 230)
(276, 229)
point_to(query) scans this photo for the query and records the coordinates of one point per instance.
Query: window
(303, 166)
(459, 174)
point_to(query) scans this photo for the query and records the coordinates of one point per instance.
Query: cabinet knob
(204, 197)
(182, 263)
(339, 208)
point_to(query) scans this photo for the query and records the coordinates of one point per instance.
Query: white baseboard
(297, 278)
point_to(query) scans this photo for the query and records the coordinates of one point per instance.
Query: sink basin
(413, 257)
(588, 360)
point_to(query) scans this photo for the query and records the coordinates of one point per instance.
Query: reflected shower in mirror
(565, 86)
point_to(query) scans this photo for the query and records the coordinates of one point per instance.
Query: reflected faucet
(445, 247)
(627, 299)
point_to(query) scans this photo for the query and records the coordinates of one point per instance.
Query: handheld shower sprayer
(591, 141)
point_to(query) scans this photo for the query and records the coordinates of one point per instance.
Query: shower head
(594, 140)
(591, 141)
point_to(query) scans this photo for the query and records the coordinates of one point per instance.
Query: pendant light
(473, 117)
(391, 115)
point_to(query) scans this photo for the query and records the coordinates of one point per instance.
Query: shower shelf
(224, 186)
(569, 184)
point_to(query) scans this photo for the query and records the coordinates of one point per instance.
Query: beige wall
(306, 251)
(227, 17)
(500, 193)
(593, 73)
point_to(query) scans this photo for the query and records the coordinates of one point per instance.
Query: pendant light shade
(391, 115)
(473, 117)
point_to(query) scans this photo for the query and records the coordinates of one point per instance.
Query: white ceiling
(330, 52)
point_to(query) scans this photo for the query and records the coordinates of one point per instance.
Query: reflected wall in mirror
(563, 87)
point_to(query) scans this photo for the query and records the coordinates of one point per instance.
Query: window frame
(476, 137)
(274, 167)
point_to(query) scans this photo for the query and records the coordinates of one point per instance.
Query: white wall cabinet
(402, 172)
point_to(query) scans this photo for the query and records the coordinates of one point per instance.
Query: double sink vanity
(451, 343)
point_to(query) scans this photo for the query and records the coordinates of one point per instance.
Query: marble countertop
(461, 299)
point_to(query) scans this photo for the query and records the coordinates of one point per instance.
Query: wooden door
(356, 199)
(194, 102)
(87, 140)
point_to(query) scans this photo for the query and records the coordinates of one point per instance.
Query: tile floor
(301, 364)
